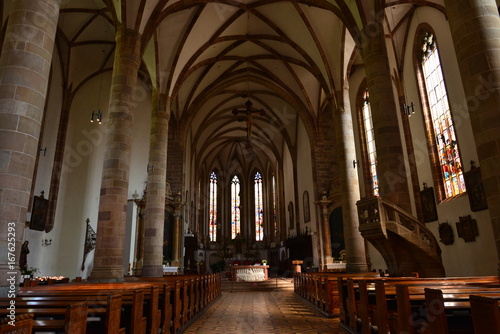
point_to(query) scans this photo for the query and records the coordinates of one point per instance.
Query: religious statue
(23, 259)
(237, 242)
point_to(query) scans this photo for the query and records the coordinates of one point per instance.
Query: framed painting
(39, 213)
(429, 212)
(467, 228)
(475, 189)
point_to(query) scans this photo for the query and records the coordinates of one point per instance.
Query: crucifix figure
(248, 112)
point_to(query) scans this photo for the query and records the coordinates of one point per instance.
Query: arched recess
(337, 232)
(168, 236)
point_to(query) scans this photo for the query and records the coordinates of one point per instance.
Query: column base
(356, 267)
(152, 270)
(107, 275)
(137, 268)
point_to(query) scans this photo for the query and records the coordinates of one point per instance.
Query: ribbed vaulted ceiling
(210, 57)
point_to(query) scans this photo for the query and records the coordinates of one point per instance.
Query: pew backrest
(485, 314)
(76, 318)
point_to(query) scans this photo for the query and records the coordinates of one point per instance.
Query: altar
(167, 270)
(249, 273)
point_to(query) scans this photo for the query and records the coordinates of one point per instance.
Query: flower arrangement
(264, 262)
(29, 271)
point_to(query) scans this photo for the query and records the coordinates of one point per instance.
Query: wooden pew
(53, 306)
(76, 318)
(452, 312)
(58, 315)
(366, 300)
(184, 304)
(23, 324)
(137, 320)
(113, 314)
(446, 308)
(51, 317)
(154, 315)
(485, 314)
(177, 300)
(167, 308)
(43, 299)
(321, 290)
(189, 296)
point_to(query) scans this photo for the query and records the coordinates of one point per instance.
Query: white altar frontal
(170, 270)
(249, 273)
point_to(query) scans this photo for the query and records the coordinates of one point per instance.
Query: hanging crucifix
(248, 112)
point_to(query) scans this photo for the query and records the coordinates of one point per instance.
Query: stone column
(475, 29)
(391, 169)
(325, 230)
(157, 175)
(349, 183)
(178, 233)
(108, 257)
(57, 168)
(24, 73)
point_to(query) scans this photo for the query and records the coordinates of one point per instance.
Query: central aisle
(278, 311)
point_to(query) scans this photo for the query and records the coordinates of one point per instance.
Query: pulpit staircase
(404, 242)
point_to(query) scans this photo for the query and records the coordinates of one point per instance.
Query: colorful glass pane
(370, 142)
(259, 212)
(444, 132)
(212, 229)
(235, 207)
(275, 219)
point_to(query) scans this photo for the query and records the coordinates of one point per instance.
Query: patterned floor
(262, 312)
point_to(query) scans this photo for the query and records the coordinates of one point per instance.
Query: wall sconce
(354, 163)
(408, 109)
(44, 150)
(46, 242)
(151, 168)
(98, 116)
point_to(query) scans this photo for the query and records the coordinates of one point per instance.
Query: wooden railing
(377, 215)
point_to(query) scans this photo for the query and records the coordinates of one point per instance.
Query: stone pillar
(57, 168)
(325, 230)
(475, 29)
(178, 233)
(155, 205)
(391, 168)
(115, 175)
(24, 73)
(349, 183)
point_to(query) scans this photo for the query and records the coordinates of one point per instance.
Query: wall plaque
(467, 228)
(446, 234)
(475, 189)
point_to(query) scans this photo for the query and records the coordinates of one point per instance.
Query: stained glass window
(235, 207)
(259, 212)
(212, 232)
(370, 142)
(275, 219)
(442, 123)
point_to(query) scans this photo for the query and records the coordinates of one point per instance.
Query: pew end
(485, 314)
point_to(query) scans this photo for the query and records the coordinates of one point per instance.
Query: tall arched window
(275, 218)
(235, 207)
(212, 228)
(440, 117)
(259, 212)
(371, 152)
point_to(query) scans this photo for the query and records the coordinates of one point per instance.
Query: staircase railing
(377, 215)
